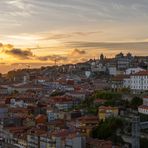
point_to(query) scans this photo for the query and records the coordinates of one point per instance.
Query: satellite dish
(87, 74)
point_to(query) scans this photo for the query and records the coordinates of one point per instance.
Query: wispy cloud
(52, 58)
(56, 36)
(109, 45)
(20, 8)
(5, 46)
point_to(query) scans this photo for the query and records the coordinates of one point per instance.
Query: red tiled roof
(18, 110)
(56, 122)
(99, 100)
(15, 130)
(3, 105)
(36, 131)
(63, 133)
(88, 118)
(146, 97)
(120, 77)
(107, 108)
(61, 99)
(2, 87)
(141, 73)
(143, 107)
(99, 143)
(40, 116)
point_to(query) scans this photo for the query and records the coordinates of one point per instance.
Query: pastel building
(143, 109)
(51, 115)
(139, 82)
(3, 110)
(105, 112)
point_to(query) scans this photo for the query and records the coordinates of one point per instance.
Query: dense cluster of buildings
(38, 107)
(42, 114)
(137, 82)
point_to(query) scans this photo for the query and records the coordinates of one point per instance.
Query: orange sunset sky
(38, 32)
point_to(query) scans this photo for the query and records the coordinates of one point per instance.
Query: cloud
(19, 53)
(56, 36)
(6, 46)
(78, 52)
(109, 45)
(20, 8)
(74, 55)
(52, 58)
(3, 63)
(25, 54)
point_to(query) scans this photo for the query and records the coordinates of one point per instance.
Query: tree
(143, 143)
(125, 90)
(107, 128)
(143, 117)
(107, 95)
(57, 93)
(136, 101)
(92, 110)
(15, 92)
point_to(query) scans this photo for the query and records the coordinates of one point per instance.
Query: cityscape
(99, 103)
(73, 74)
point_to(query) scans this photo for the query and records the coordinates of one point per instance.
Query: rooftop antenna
(28, 66)
(55, 62)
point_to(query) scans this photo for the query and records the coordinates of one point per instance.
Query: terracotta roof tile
(141, 73)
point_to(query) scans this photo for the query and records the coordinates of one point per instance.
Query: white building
(17, 103)
(145, 101)
(77, 95)
(3, 90)
(3, 111)
(130, 71)
(52, 115)
(143, 109)
(44, 141)
(33, 140)
(139, 81)
(112, 71)
(127, 82)
(98, 67)
(64, 105)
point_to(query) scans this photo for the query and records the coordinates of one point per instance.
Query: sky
(39, 32)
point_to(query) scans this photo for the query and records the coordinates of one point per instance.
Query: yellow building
(107, 111)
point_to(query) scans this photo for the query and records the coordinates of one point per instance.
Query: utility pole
(136, 132)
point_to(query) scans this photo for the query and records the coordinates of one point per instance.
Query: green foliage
(111, 102)
(143, 117)
(116, 139)
(92, 110)
(117, 102)
(15, 92)
(136, 101)
(89, 101)
(107, 128)
(125, 103)
(57, 93)
(107, 95)
(143, 143)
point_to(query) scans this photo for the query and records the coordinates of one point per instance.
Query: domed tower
(120, 55)
(129, 55)
(101, 57)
